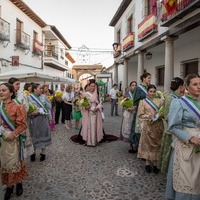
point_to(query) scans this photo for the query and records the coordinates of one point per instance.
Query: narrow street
(77, 172)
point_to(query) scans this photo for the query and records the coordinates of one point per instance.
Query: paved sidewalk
(77, 172)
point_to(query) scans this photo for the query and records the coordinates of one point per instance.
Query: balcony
(117, 51)
(128, 41)
(147, 27)
(4, 30)
(38, 47)
(22, 40)
(181, 8)
(51, 59)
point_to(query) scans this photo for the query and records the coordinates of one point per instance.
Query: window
(160, 72)
(18, 31)
(130, 24)
(191, 68)
(35, 36)
(150, 7)
(119, 36)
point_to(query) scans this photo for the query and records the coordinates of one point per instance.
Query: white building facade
(154, 37)
(27, 42)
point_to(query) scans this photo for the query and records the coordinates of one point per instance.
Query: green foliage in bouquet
(197, 149)
(127, 103)
(161, 111)
(160, 95)
(32, 107)
(84, 102)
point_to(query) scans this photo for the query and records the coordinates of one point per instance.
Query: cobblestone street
(77, 172)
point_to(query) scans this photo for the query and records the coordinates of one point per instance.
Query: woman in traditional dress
(139, 94)
(68, 97)
(13, 123)
(184, 124)
(177, 87)
(92, 128)
(22, 99)
(128, 115)
(151, 129)
(39, 122)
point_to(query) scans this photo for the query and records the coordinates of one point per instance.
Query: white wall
(11, 13)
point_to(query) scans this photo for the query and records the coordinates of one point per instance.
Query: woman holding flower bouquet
(92, 128)
(39, 121)
(128, 113)
(151, 129)
(184, 123)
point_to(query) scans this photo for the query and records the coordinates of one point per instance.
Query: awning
(34, 75)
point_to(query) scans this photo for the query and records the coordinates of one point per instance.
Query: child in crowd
(77, 113)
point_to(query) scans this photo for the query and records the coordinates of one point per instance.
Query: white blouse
(68, 96)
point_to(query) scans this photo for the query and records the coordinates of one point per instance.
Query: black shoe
(155, 170)
(116, 115)
(148, 169)
(19, 189)
(132, 151)
(8, 193)
(32, 157)
(42, 157)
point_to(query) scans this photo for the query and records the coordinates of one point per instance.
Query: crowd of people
(28, 117)
(163, 131)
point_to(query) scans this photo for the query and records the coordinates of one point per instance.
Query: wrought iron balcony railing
(4, 30)
(176, 12)
(22, 40)
(51, 54)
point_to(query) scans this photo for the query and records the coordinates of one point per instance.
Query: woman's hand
(96, 109)
(87, 107)
(9, 137)
(131, 109)
(194, 140)
(34, 113)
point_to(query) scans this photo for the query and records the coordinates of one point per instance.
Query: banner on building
(15, 60)
(170, 6)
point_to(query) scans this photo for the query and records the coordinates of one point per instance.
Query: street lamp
(148, 55)
(115, 46)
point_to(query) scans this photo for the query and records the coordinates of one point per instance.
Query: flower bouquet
(27, 92)
(160, 95)
(127, 103)
(84, 102)
(58, 95)
(119, 94)
(32, 107)
(197, 148)
(50, 98)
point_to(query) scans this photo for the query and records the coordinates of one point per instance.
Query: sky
(81, 22)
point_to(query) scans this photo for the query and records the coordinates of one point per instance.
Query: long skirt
(40, 131)
(170, 193)
(163, 160)
(126, 126)
(150, 140)
(13, 170)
